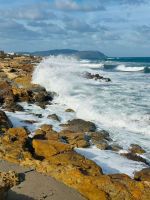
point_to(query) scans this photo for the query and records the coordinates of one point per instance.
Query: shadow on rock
(11, 195)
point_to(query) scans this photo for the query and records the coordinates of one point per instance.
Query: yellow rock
(48, 148)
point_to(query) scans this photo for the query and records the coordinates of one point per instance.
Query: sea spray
(120, 107)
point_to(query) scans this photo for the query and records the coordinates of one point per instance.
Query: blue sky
(115, 27)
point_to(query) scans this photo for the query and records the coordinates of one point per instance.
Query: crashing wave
(124, 68)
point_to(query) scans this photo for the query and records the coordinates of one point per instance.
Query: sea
(121, 107)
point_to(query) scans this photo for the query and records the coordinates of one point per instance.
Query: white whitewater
(121, 107)
(129, 69)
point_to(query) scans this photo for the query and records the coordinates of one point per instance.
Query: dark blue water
(129, 64)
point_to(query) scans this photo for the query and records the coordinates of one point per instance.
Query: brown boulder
(16, 135)
(22, 94)
(13, 145)
(103, 145)
(74, 139)
(54, 117)
(48, 148)
(143, 175)
(79, 125)
(98, 136)
(135, 148)
(135, 157)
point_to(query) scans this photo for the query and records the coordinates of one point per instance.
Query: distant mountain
(92, 55)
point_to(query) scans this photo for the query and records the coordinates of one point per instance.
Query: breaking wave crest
(124, 68)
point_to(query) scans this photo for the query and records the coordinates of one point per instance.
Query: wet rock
(79, 125)
(12, 106)
(30, 121)
(135, 148)
(5, 123)
(114, 147)
(54, 117)
(69, 110)
(135, 157)
(38, 115)
(143, 175)
(103, 145)
(98, 136)
(96, 77)
(22, 94)
(42, 98)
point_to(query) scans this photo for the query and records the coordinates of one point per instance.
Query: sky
(114, 27)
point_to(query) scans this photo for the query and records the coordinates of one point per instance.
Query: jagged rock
(5, 123)
(143, 175)
(16, 135)
(40, 134)
(7, 180)
(74, 139)
(12, 106)
(13, 145)
(79, 125)
(48, 129)
(5, 92)
(22, 94)
(98, 136)
(96, 77)
(135, 148)
(103, 145)
(135, 157)
(42, 98)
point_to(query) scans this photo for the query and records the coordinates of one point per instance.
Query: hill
(92, 55)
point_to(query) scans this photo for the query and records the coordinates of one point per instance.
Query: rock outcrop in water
(52, 152)
(96, 77)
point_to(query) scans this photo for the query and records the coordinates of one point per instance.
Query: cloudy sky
(115, 27)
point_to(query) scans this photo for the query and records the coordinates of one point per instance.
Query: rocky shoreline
(52, 152)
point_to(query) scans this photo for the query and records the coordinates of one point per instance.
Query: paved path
(37, 186)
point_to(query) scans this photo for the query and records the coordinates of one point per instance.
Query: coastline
(64, 164)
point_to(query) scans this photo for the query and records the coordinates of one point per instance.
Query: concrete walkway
(36, 186)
